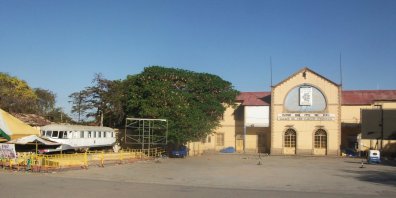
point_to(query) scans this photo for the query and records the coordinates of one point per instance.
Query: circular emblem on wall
(305, 98)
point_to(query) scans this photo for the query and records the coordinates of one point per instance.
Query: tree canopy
(16, 96)
(101, 100)
(192, 102)
(45, 100)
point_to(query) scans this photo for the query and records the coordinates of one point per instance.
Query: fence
(46, 163)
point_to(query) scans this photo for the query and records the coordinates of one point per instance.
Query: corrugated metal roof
(32, 119)
(365, 97)
(254, 98)
(349, 97)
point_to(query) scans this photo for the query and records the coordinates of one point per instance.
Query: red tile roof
(350, 97)
(365, 97)
(254, 98)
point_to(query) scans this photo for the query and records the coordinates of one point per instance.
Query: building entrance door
(261, 143)
(239, 145)
(320, 142)
(290, 142)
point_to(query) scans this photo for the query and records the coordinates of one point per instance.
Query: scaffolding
(145, 134)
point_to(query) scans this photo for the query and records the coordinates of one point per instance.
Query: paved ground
(212, 176)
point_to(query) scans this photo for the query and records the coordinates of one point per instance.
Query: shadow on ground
(389, 162)
(378, 177)
(384, 162)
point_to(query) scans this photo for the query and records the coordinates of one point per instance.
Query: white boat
(78, 137)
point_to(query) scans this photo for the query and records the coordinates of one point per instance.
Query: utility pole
(101, 118)
(382, 128)
(79, 107)
(244, 138)
(381, 124)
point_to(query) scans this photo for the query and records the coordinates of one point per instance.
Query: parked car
(180, 152)
(373, 157)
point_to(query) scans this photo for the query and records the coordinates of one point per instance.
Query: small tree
(102, 101)
(45, 101)
(80, 105)
(58, 115)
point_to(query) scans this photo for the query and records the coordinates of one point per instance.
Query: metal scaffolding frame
(146, 133)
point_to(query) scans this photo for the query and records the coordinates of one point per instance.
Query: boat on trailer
(78, 137)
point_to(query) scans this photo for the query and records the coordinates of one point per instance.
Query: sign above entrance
(306, 117)
(305, 96)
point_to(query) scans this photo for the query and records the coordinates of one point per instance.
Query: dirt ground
(233, 171)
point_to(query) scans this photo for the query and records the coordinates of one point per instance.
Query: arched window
(320, 139)
(299, 99)
(290, 138)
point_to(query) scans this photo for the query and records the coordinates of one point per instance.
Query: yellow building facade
(351, 131)
(305, 114)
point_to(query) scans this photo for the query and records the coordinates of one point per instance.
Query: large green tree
(16, 95)
(192, 102)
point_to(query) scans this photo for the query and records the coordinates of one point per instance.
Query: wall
(351, 120)
(228, 128)
(351, 114)
(195, 148)
(306, 129)
(257, 116)
(233, 130)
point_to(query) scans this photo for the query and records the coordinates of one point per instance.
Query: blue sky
(60, 45)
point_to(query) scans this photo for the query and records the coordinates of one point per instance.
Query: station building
(305, 114)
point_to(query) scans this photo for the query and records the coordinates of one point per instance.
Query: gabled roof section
(254, 98)
(303, 70)
(367, 97)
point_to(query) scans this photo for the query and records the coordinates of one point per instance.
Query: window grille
(220, 139)
(290, 138)
(320, 139)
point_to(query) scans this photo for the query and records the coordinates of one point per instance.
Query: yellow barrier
(42, 162)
